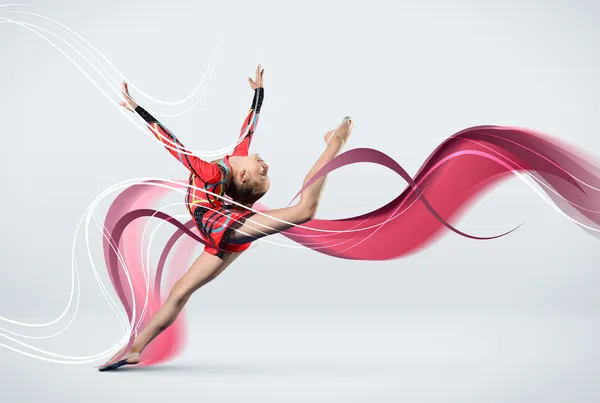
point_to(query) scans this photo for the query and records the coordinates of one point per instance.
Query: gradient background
(509, 320)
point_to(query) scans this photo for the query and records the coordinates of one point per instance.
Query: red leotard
(215, 218)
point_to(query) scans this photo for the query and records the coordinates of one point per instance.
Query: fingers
(126, 106)
(125, 90)
(257, 82)
(259, 75)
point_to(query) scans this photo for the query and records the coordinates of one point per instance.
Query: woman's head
(250, 181)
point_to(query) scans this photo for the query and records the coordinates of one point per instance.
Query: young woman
(218, 199)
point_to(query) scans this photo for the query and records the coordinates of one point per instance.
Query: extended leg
(279, 220)
(206, 268)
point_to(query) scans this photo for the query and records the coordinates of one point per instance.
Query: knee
(179, 295)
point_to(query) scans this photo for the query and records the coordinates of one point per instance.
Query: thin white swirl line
(121, 259)
(38, 357)
(26, 25)
(536, 179)
(3, 330)
(542, 156)
(505, 129)
(25, 336)
(526, 172)
(121, 110)
(151, 238)
(542, 196)
(71, 32)
(513, 172)
(73, 276)
(511, 169)
(366, 219)
(147, 271)
(74, 314)
(45, 324)
(87, 222)
(210, 69)
(159, 225)
(112, 245)
(134, 324)
(520, 176)
(526, 182)
(267, 215)
(170, 144)
(531, 150)
(65, 358)
(377, 226)
(81, 359)
(125, 268)
(116, 308)
(14, 5)
(164, 207)
(508, 167)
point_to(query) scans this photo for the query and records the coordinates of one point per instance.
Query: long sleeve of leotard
(250, 123)
(205, 171)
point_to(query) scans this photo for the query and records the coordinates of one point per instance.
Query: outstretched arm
(202, 169)
(251, 121)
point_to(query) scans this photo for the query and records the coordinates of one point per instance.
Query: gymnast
(220, 196)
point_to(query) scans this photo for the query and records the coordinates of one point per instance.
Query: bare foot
(343, 131)
(129, 359)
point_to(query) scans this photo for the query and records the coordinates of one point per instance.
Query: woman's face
(257, 173)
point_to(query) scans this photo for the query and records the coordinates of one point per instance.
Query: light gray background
(511, 320)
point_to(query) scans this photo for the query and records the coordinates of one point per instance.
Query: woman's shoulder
(224, 168)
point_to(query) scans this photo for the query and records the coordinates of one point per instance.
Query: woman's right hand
(129, 103)
(258, 81)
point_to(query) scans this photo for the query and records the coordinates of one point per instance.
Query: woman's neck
(235, 167)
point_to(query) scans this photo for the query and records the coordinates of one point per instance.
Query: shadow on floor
(274, 368)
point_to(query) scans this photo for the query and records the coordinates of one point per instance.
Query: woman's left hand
(129, 103)
(258, 81)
